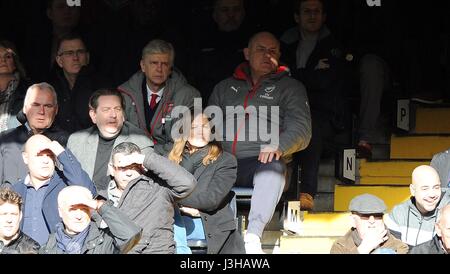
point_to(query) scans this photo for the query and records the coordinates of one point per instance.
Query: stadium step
(319, 231)
(418, 147)
(387, 172)
(392, 195)
(429, 120)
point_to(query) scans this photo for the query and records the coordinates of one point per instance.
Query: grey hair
(40, 86)
(159, 46)
(125, 148)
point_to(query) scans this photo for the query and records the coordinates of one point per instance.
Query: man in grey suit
(93, 146)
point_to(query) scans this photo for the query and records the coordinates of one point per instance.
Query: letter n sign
(74, 3)
(349, 165)
(374, 3)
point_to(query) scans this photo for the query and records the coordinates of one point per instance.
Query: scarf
(70, 244)
(5, 102)
(191, 162)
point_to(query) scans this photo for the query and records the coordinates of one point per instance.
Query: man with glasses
(145, 199)
(37, 117)
(44, 181)
(369, 234)
(74, 81)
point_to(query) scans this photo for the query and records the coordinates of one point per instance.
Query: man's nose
(41, 109)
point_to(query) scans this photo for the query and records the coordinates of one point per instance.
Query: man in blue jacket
(43, 183)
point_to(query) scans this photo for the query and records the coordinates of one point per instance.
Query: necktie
(153, 101)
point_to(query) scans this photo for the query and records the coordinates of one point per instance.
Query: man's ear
(438, 230)
(49, 14)
(297, 18)
(142, 66)
(93, 115)
(88, 58)
(353, 220)
(412, 190)
(60, 212)
(59, 61)
(111, 169)
(25, 157)
(247, 54)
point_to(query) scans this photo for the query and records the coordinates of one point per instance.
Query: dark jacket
(348, 244)
(71, 174)
(22, 245)
(176, 93)
(73, 104)
(12, 167)
(118, 238)
(149, 202)
(431, 247)
(212, 198)
(325, 87)
(16, 106)
(274, 90)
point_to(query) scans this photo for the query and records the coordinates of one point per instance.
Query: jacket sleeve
(295, 133)
(126, 234)
(441, 162)
(73, 172)
(219, 186)
(180, 182)
(392, 222)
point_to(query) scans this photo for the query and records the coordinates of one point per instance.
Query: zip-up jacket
(275, 90)
(408, 224)
(177, 92)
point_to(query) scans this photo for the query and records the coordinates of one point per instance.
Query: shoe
(364, 150)
(252, 244)
(427, 98)
(306, 202)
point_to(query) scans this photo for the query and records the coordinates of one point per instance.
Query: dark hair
(297, 4)
(126, 148)
(70, 37)
(8, 195)
(93, 101)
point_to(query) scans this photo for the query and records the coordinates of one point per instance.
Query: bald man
(258, 85)
(413, 221)
(440, 244)
(44, 181)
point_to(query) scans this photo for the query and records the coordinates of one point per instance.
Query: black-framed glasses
(72, 53)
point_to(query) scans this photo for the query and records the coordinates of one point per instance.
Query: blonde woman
(208, 207)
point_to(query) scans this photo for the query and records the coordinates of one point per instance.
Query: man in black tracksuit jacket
(316, 59)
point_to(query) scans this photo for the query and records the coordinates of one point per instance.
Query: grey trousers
(374, 79)
(268, 181)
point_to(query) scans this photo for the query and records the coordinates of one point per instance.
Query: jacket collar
(242, 72)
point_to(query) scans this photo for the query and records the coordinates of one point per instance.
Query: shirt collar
(160, 92)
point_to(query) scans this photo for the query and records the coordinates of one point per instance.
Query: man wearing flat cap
(368, 234)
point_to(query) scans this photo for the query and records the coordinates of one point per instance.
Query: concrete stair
(387, 176)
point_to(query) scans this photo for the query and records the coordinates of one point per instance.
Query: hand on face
(373, 238)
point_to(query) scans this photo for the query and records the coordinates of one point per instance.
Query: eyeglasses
(378, 216)
(72, 53)
(264, 50)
